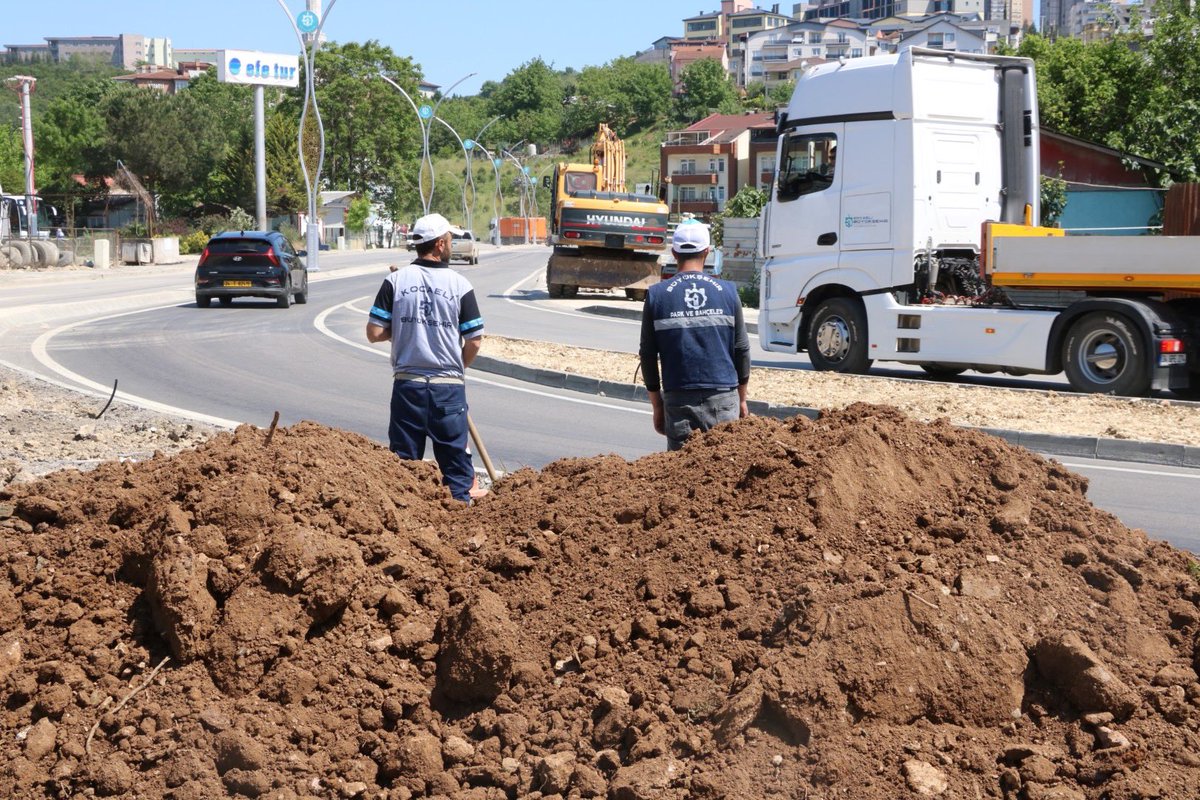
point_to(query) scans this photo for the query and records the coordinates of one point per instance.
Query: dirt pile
(863, 606)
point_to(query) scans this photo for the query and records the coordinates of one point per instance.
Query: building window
(687, 166)
(687, 194)
(808, 165)
(814, 37)
(716, 165)
(702, 25)
(856, 52)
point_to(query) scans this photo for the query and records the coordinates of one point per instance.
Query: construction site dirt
(862, 606)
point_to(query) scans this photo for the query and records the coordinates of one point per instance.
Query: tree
(12, 166)
(531, 100)
(357, 213)
(1164, 125)
(369, 127)
(70, 137)
(285, 182)
(706, 88)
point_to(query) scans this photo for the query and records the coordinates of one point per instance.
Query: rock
(478, 650)
(41, 739)
(736, 596)
(214, 719)
(249, 782)
(379, 644)
(1174, 675)
(552, 774)
(237, 750)
(110, 778)
(1107, 737)
(588, 781)
(10, 613)
(924, 778)
(353, 789)
(411, 636)
(416, 756)
(1071, 666)
(456, 749)
(644, 780)
(10, 658)
(183, 610)
(972, 583)
(1038, 769)
(739, 712)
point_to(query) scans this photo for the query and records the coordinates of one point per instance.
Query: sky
(448, 39)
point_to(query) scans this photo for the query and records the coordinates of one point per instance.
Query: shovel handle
(483, 453)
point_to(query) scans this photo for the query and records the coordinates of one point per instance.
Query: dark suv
(250, 264)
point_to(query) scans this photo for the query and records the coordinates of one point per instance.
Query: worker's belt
(409, 376)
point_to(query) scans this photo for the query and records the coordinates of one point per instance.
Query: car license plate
(1167, 359)
(238, 284)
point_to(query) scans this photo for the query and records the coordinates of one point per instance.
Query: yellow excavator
(603, 236)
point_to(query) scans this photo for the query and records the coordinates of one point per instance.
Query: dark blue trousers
(437, 411)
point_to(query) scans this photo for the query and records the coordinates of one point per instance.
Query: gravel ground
(44, 427)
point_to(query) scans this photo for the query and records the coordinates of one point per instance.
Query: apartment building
(125, 50)
(705, 164)
(743, 25)
(774, 56)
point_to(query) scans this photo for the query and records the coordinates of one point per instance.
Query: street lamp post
(424, 114)
(497, 197)
(467, 158)
(311, 181)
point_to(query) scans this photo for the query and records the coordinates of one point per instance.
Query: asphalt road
(244, 362)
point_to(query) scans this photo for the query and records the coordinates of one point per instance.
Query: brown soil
(863, 606)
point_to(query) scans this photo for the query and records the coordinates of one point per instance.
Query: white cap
(429, 228)
(690, 237)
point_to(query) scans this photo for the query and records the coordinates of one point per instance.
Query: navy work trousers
(437, 411)
(697, 410)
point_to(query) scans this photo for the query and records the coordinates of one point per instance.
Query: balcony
(695, 178)
(688, 138)
(694, 206)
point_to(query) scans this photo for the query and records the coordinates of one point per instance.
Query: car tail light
(203, 258)
(1170, 346)
(654, 239)
(274, 259)
(572, 235)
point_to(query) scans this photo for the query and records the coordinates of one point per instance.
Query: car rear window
(220, 247)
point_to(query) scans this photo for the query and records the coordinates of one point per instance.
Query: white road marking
(40, 351)
(321, 326)
(1134, 471)
(507, 295)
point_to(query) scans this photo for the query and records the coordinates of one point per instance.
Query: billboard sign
(254, 68)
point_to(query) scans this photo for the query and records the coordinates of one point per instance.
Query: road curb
(1158, 453)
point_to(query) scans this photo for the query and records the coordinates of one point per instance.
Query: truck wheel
(1103, 354)
(555, 289)
(837, 337)
(637, 295)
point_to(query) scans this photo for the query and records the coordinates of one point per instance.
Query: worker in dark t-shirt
(693, 325)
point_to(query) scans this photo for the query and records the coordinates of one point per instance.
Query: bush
(193, 243)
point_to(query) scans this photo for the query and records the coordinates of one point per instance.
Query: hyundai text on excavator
(603, 236)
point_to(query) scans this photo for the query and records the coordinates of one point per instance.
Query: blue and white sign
(426, 111)
(254, 68)
(307, 21)
(469, 144)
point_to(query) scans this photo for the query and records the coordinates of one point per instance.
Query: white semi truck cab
(901, 228)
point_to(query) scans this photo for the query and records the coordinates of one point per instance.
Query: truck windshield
(580, 182)
(808, 165)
